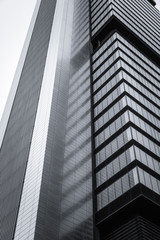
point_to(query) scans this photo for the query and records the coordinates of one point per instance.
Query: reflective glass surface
(88, 120)
(17, 139)
(118, 188)
(66, 187)
(138, 16)
(126, 117)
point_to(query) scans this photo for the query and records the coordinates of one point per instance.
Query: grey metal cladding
(16, 143)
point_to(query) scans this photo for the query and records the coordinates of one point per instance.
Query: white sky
(15, 17)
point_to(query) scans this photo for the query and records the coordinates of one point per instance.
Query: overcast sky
(15, 17)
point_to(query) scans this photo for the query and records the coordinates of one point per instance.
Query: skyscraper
(80, 138)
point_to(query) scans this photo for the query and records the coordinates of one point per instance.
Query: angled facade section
(125, 100)
(79, 156)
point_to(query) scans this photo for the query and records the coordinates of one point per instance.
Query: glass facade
(27, 215)
(125, 106)
(66, 188)
(76, 205)
(81, 146)
(16, 143)
(49, 193)
(140, 17)
(122, 75)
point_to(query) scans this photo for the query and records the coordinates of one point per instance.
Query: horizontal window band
(106, 59)
(122, 59)
(135, 22)
(99, 15)
(114, 118)
(111, 158)
(107, 81)
(129, 35)
(115, 10)
(129, 144)
(134, 78)
(143, 67)
(130, 85)
(110, 35)
(145, 16)
(138, 55)
(119, 48)
(111, 138)
(142, 84)
(117, 176)
(93, 7)
(120, 131)
(107, 48)
(142, 4)
(142, 94)
(125, 109)
(138, 195)
(122, 172)
(109, 106)
(98, 10)
(144, 149)
(118, 99)
(109, 67)
(140, 8)
(108, 93)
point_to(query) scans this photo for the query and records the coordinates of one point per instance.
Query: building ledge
(138, 201)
